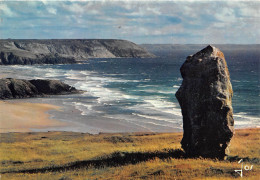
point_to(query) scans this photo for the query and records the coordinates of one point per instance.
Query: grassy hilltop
(67, 155)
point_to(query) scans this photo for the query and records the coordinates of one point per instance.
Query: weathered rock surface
(18, 88)
(60, 51)
(205, 100)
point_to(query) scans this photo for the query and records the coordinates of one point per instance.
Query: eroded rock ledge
(205, 99)
(18, 88)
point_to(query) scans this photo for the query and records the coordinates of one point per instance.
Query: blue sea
(137, 94)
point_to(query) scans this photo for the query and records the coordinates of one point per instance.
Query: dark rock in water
(21, 88)
(205, 100)
(18, 88)
(51, 86)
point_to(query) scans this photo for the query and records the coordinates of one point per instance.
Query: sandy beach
(22, 117)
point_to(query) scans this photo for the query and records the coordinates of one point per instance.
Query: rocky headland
(63, 51)
(18, 88)
(205, 100)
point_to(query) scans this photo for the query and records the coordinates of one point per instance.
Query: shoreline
(25, 116)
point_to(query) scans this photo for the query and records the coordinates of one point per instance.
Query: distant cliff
(54, 51)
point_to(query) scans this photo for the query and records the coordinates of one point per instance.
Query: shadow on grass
(113, 160)
(125, 158)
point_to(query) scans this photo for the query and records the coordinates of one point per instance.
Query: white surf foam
(154, 117)
(164, 106)
(242, 119)
(84, 108)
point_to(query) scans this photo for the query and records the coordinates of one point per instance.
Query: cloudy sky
(176, 22)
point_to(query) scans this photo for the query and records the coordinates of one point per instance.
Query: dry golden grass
(124, 156)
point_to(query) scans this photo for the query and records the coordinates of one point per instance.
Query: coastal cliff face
(18, 88)
(60, 51)
(205, 99)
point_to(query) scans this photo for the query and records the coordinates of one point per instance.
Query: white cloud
(6, 10)
(45, 2)
(196, 22)
(52, 10)
(226, 14)
(74, 8)
(88, 8)
(219, 24)
(250, 10)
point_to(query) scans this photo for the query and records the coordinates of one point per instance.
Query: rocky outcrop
(205, 100)
(18, 88)
(60, 51)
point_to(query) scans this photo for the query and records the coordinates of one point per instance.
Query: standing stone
(205, 100)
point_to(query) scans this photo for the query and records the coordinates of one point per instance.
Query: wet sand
(23, 116)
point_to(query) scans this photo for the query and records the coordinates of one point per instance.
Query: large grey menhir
(205, 100)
